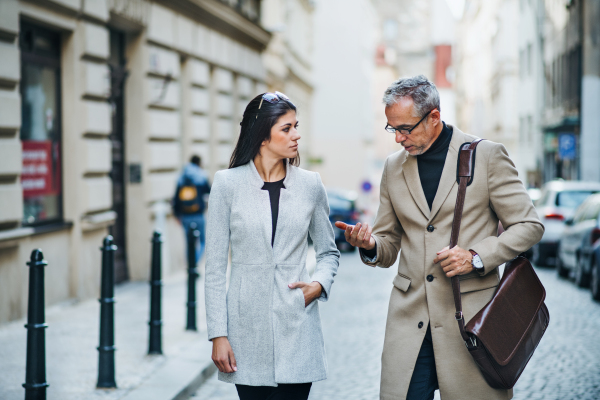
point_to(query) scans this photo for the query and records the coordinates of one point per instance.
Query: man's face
(401, 115)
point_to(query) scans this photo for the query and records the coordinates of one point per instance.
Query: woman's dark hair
(256, 128)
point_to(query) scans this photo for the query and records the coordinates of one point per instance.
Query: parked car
(595, 272)
(557, 203)
(342, 207)
(576, 247)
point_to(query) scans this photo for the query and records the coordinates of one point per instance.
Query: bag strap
(466, 154)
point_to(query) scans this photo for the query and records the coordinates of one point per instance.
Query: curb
(195, 384)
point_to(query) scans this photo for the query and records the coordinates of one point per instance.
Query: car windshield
(572, 199)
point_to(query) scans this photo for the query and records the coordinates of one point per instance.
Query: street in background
(342, 207)
(575, 248)
(557, 203)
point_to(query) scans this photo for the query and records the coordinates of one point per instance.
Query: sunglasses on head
(273, 98)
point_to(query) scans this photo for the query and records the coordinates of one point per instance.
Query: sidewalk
(73, 334)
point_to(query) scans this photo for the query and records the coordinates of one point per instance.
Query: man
(188, 202)
(423, 349)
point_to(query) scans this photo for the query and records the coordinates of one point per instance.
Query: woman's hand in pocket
(311, 290)
(222, 355)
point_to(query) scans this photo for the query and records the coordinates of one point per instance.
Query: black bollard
(193, 235)
(155, 342)
(35, 370)
(106, 350)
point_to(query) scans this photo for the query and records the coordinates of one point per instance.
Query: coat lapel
(448, 178)
(263, 208)
(285, 207)
(411, 176)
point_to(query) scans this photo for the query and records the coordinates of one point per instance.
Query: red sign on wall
(41, 173)
(443, 61)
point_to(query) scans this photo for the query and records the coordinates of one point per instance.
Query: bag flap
(503, 323)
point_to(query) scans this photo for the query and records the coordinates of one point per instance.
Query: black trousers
(424, 379)
(291, 391)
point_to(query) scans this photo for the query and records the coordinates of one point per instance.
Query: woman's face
(284, 138)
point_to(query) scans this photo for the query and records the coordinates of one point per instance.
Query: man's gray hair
(420, 89)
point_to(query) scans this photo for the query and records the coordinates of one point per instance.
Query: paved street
(565, 366)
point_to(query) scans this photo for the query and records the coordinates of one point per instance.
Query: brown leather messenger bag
(503, 335)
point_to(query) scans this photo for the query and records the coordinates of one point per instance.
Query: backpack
(189, 199)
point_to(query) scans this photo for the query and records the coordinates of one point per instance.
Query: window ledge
(10, 238)
(16, 233)
(58, 226)
(98, 221)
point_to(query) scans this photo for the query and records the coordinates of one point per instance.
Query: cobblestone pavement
(565, 366)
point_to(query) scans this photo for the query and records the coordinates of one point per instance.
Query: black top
(274, 192)
(430, 165)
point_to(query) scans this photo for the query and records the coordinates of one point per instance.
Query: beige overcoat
(496, 194)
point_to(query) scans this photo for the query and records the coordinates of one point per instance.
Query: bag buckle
(458, 315)
(472, 341)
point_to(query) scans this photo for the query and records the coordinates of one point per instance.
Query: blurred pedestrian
(188, 202)
(266, 329)
(423, 348)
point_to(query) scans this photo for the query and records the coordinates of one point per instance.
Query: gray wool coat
(275, 339)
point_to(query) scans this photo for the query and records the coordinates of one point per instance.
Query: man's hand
(311, 290)
(358, 235)
(456, 261)
(222, 355)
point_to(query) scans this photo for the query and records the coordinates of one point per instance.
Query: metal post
(106, 350)
(193, 235)
(35, 370)
(155, 341)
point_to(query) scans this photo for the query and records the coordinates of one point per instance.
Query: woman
(266, 329)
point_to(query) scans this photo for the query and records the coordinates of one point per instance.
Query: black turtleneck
(274, 189)
(431, 164)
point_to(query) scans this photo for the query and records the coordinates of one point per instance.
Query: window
(40, 125)
(572, 199)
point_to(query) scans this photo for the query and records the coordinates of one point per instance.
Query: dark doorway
(118, 74)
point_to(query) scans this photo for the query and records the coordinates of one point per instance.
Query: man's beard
(419, 150)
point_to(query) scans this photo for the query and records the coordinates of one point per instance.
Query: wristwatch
(477, 263)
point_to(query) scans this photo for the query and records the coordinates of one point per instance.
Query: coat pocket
(402, 282)
(300, 299)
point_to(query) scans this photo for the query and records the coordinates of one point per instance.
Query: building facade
(289, 60)
(562, 67)
(531, 88)
(101, 104)
(571, 67)
(535, 88)
(487, 77)
(342, 111)
(414, 38)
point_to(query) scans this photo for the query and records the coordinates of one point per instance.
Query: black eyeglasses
(392, 129)
(274, 98)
